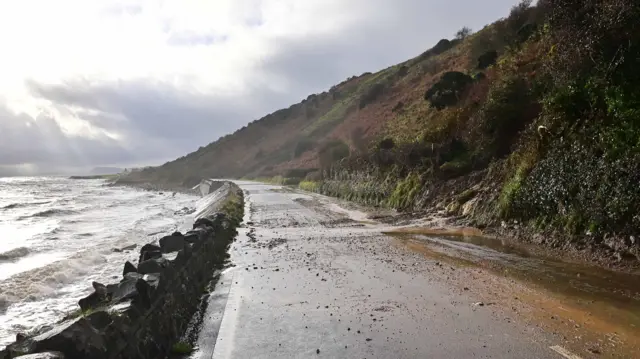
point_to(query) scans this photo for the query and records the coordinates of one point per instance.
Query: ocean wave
(14, 254)
(44, 282)
(50, 213)
(23, 204)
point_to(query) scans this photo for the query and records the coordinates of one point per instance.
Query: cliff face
(533, 120)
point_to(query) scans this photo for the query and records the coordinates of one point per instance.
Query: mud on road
(314, 277)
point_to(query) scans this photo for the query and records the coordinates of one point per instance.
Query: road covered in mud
(315, 278)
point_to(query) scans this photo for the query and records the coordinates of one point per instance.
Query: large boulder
(172, 243)
(203, 222)
(77, 338)
(126, 289)
(155, 265)
(99, 297)
(129, 268)
(149, 251)
(193, 236)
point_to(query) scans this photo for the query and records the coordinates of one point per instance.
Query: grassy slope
(482, 157)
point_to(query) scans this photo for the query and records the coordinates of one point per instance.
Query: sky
(127, 83)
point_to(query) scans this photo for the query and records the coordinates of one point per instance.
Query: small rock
(129, 247)
(479, 304)
(317, 351)
(368, 339)
(594, 350)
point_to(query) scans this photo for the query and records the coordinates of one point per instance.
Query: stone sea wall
(147, 312)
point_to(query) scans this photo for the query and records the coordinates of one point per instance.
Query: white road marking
(564, 352)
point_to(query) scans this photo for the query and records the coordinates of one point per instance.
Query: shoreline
(121, 319)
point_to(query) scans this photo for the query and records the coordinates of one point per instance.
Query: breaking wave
(39, 283)
(14, 254)
(24, 204)
(50, 213)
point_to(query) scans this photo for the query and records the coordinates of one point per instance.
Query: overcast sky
(88, 83)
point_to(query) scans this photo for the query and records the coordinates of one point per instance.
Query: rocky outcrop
(147, 311)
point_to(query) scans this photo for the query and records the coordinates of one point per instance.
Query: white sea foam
(51, 250)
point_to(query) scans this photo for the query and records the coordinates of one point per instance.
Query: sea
(57, 235)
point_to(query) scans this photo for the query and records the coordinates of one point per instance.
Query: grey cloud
(389, 32)
(159, 122)
(42, 143)
(156, 119)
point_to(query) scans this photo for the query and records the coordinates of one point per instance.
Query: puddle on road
(610, 296)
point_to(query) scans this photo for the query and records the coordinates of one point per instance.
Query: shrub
(181, 348)
(442, 46)
(371, 95)
(403, 71)
(508, 109)
(479, 76)
(386, 144)
(309, 186)
(487, 59)
(447, 91)
(463, 33)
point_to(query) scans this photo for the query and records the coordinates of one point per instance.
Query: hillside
(531, 125)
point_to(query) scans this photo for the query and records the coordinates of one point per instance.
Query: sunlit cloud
(144, 81)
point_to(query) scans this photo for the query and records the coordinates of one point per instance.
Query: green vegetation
(310, 186)
(182, 348)
(233, 207)
(405, 193)
(547, 134)
(448, 90)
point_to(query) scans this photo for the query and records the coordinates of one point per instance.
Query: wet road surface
(314, 280)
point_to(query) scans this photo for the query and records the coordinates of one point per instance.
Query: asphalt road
(312, 280)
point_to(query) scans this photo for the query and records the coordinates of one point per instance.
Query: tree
(463, 33)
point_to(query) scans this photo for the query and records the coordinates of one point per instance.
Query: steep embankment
(531, 126)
